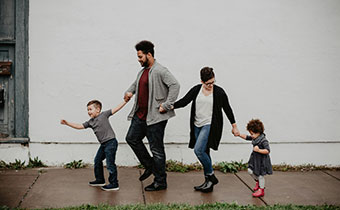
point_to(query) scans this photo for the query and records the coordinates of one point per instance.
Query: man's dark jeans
(155, 134)
(107, 150)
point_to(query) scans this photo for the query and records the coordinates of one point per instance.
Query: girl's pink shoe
(257, 186)
(259, 193)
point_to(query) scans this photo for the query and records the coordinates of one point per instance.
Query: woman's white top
(204, 109)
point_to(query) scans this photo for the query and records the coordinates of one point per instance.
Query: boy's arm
(121, 105)
(72, 125)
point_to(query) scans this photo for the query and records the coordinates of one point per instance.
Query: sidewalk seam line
(250, 188)
(331, 175)
(29, 189)
(143, 193)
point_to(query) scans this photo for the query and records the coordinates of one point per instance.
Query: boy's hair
(207, 73)
(96, 104)
(146, 47)
(256, 126)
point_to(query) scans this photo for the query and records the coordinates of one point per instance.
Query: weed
(140, 166)
(195, 167)
(226, 167)
(176, 166)
(231, 167)
(35, 163)
(304, 167)
(3, 164)
(17, 165)
(75, 164)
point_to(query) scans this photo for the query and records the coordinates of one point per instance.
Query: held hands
(235, 131)
(127, 96)
(161, 109)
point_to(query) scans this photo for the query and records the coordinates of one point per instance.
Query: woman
(206, 122)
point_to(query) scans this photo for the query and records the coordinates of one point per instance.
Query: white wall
(277, 60)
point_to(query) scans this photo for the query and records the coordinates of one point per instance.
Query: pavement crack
(28, 190)
(331, 175)
(250, 188)
(142, 185)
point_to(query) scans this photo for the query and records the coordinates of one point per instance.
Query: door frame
(21, 62)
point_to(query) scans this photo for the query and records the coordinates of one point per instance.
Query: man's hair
(255, 126)
(96, 104)
(207, 73)
(146, 47)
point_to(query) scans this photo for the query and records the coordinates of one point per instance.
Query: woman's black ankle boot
(209, 187)
(213, 179)
(202, 185)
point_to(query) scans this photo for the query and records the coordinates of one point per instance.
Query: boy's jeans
(155, 134)
(107, 151)
(200, 149)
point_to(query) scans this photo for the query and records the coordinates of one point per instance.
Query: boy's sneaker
(97, 183)
(110, 187)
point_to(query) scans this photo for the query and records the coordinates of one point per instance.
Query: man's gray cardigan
(163, 89)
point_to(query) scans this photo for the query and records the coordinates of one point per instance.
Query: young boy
(259, 163)
(100, 124)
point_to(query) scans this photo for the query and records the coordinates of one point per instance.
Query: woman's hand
(235, 130)
(161, 109)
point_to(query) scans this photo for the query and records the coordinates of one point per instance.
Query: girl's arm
(265, 150)
(72, 125)
(121, 105)
(243, 136)
(261, 151)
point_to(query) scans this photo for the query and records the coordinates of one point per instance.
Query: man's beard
(146, 63)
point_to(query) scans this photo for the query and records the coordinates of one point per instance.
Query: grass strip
(190, 207)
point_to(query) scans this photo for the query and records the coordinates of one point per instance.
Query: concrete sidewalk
(58, 187)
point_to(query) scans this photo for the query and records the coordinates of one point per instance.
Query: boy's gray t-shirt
(101, 126)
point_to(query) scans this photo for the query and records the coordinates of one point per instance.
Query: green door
(6, 91)
(14, 71)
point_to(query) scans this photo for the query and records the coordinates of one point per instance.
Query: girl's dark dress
(259, 163)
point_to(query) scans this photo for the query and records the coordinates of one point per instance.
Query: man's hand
(63, 122)
(127, 96)
(161, 109)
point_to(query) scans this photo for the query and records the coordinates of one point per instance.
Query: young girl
(259, 163)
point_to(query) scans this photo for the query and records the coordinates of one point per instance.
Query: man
(156, 90)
